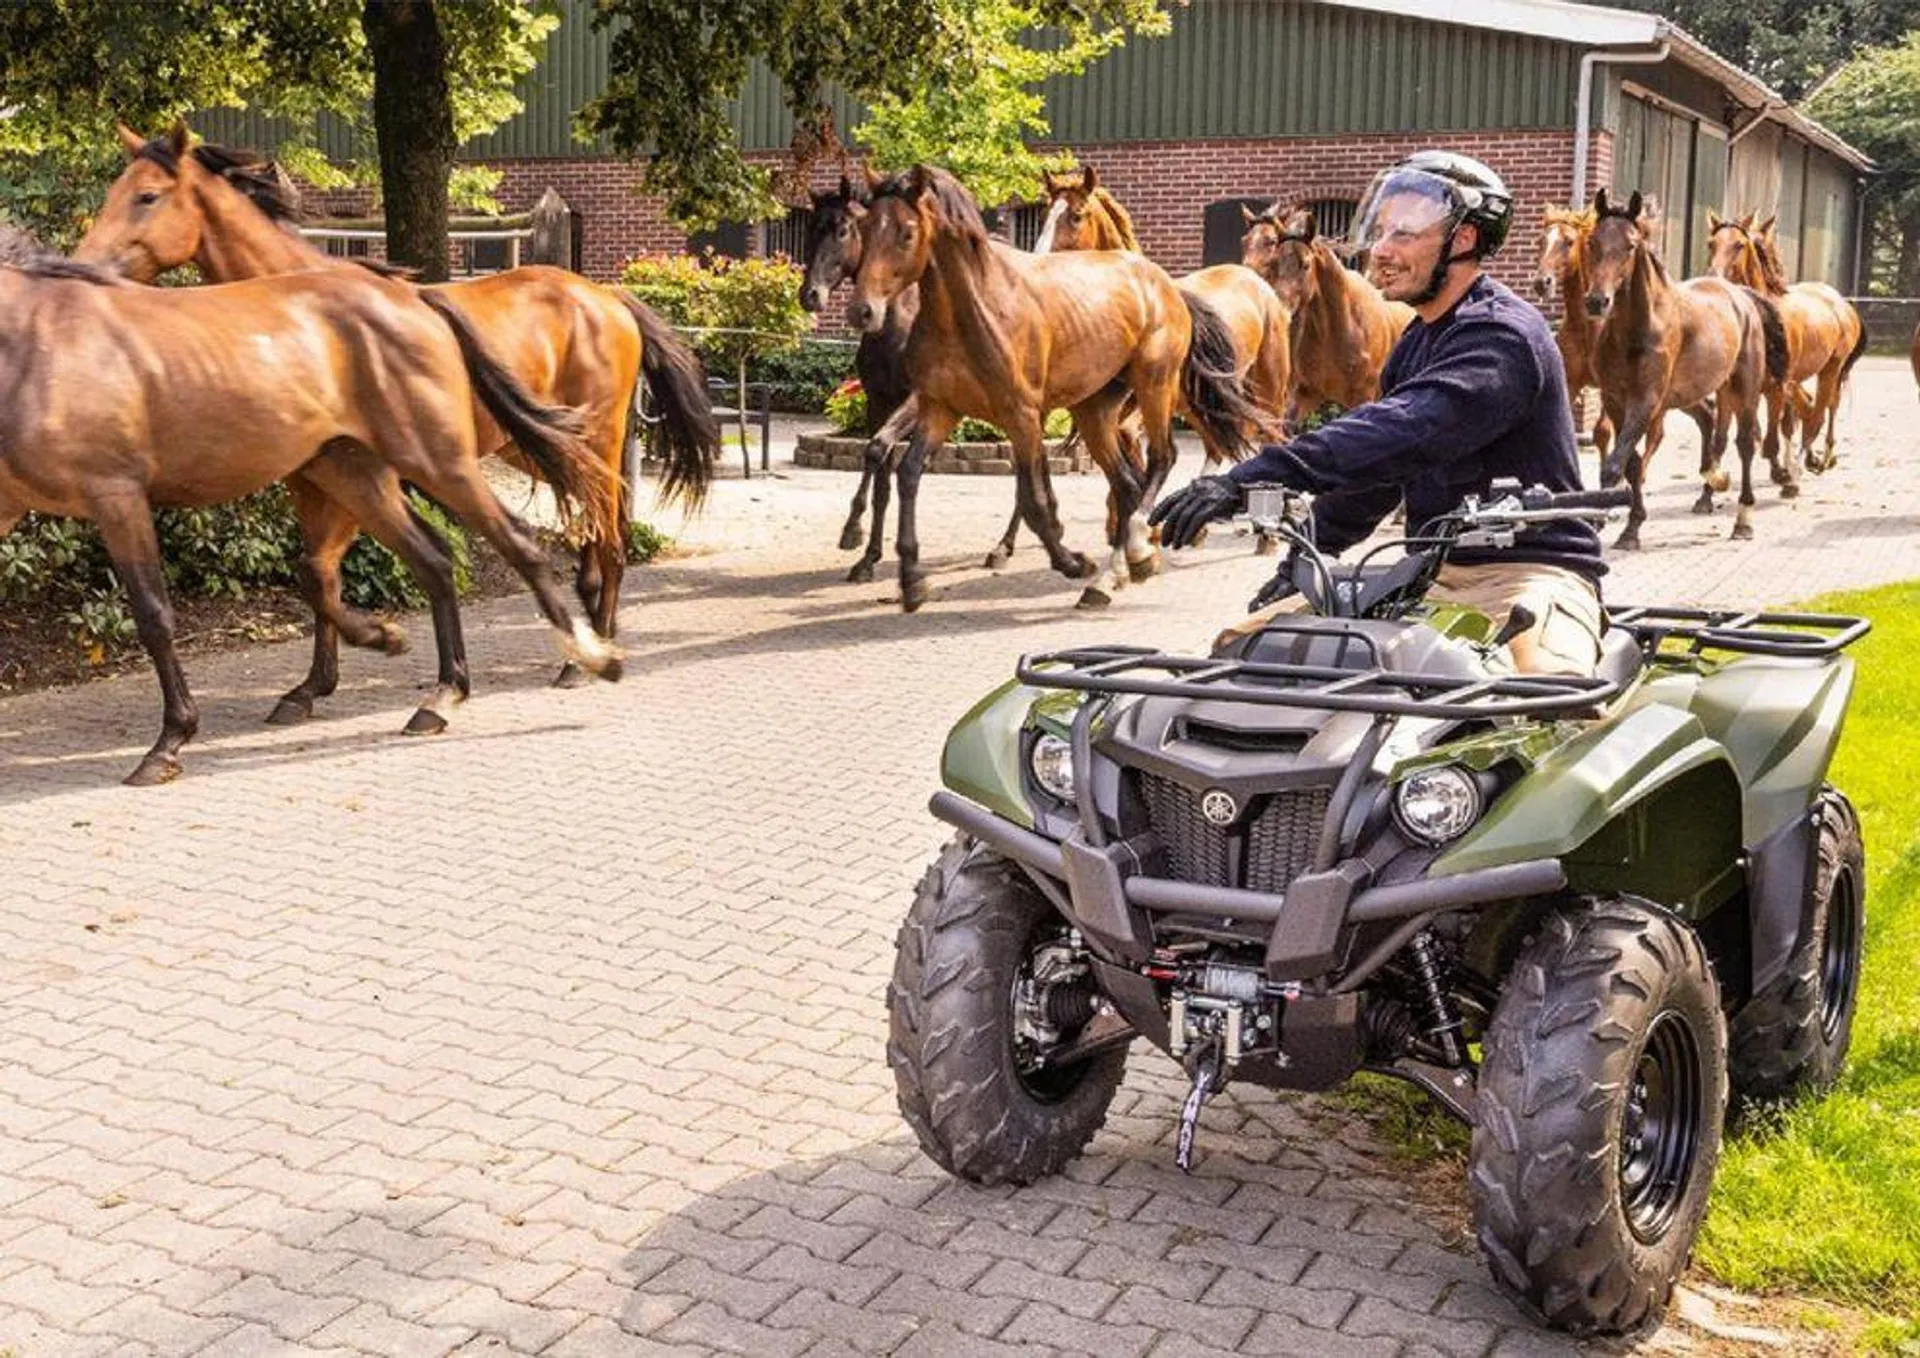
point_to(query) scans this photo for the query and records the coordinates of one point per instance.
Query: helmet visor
(1403, 206)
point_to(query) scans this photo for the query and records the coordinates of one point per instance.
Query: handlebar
(1617, 498)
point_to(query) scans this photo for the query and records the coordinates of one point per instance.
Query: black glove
(1277, 588)
(1185, 512)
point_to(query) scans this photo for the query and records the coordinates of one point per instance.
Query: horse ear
(920, 181)
(1248, 215)
(1714, 221)
(1766, 227)
(130, 140)
(1049, 183)
(1089, 179)
(1312, 226)
(1600, 202)
(178, 138)
(846, 187)
(874, 181)
(1633, 206)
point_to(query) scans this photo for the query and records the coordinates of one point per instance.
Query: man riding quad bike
(1573, 908)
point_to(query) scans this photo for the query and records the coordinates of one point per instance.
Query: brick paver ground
(562, 1033)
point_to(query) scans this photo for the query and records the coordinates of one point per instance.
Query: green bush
(847, 407)
(970, 430)
(220, 552)
(645, 542)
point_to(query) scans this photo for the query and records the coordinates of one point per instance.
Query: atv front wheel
(1601, 1097)
(984, 990)
(1792, 1037)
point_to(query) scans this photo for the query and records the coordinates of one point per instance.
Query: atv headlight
(1052, 764)
(1437, 805)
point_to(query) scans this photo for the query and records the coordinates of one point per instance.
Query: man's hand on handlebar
(1185, 512)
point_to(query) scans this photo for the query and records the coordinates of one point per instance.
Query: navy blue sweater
(1478, 394)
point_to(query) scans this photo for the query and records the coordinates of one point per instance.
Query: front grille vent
(1271, 844)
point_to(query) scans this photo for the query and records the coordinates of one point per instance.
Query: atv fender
(1780, 877)
(1779, 720)
(1646, 805)
(981, 760)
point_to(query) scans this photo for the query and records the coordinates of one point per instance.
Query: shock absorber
(1443, 1023)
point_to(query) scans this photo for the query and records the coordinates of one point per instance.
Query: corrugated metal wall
(1230, 68)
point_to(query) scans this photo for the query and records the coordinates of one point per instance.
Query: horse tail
(550, 436)
(1775, 333)
(1215, 400)
(689, 437)
(1859, 345)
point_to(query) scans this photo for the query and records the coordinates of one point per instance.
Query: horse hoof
(1627, 542)
(1145, 568)
(1778, 475)
(290, 712)
(1742, 532)
(154, 770)
(614, 670)
(1084, 567)
(571, 676)
(1094, 597)
(1267, 545)
(913, 594)
(849, 538)
(862, 573)
(393, 639)
(997, 558)
(1719, 479)
(425, 722)
(1704, 505)
(1789, 490)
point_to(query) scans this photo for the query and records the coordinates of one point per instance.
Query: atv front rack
(1141, 670)
(1796, 634)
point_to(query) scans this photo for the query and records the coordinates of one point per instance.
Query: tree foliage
(950, 81)
(1791, 44)
(1874, 102)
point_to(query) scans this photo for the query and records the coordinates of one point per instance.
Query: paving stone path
(562, 1033)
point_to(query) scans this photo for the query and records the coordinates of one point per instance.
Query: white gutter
(1583, 107)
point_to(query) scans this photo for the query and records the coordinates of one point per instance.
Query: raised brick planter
(836, 452)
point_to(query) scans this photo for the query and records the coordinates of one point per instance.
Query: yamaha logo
(1219, 807)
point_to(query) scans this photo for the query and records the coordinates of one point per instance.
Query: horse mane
(37, 262)
(1580, 219)
(1122, 219)
(259, 181)
(1773, 271)
(386, 268)
(19, 246)
(949, 196)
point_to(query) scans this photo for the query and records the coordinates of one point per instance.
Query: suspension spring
(1443, 1022)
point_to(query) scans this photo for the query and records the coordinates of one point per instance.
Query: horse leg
(1095, 420)
(369, 491)
(1746, 439)
(1826, 406)
(855, 527)
(603, 557)
(1156, 415)
(934, 425)
(1713, 429)
(879, 460)
(327, 530)
(126, 527)
(1002, 551)
(1630, 428)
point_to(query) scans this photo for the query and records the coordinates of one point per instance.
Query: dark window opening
(1026, 223)
(787, 235)
(1223, 224)
(728, 238)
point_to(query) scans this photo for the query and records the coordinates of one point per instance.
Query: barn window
(728, 238)
(1333, 216)
(1223, 224)
(787, 235)
(1025, 223)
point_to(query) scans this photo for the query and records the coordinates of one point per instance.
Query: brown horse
(120, 399)
(1006, 336)
(1563, 268)
(1084, 215)
(1825, 338)
(568, 341)
(1663, 346)
(1343, 329)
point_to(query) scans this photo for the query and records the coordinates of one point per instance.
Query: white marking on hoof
(588, 649)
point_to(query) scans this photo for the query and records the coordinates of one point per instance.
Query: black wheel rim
(1661, 1127)
(1840, 954)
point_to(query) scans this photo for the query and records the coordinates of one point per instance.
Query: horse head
(1081, 215)
(1612, 250)
(1281, 246)
(833, 243)
(897, 232)
(1734, 249)
(1562, 250)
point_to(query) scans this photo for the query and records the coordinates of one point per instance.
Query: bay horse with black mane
(1825, 338)
(1082, 214)
(1665, 345)
(116, 399)
(1005, 336)
(1343, 328)
(568, 341)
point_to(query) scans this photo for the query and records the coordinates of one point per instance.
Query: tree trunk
(1906, 275)
(413, 120)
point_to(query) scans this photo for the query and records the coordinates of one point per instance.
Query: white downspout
(1583, 107)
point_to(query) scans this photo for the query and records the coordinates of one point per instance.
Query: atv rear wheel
(1602, 1093)
(983, 987)
(1792, 1037)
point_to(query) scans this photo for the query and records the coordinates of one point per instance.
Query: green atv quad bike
(1572, 909)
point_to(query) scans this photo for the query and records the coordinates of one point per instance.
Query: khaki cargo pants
(1564, 638)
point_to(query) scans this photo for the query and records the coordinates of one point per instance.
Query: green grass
(1825, 1198)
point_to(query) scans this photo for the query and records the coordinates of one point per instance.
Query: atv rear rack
(1132, 670)
(1796, 634)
